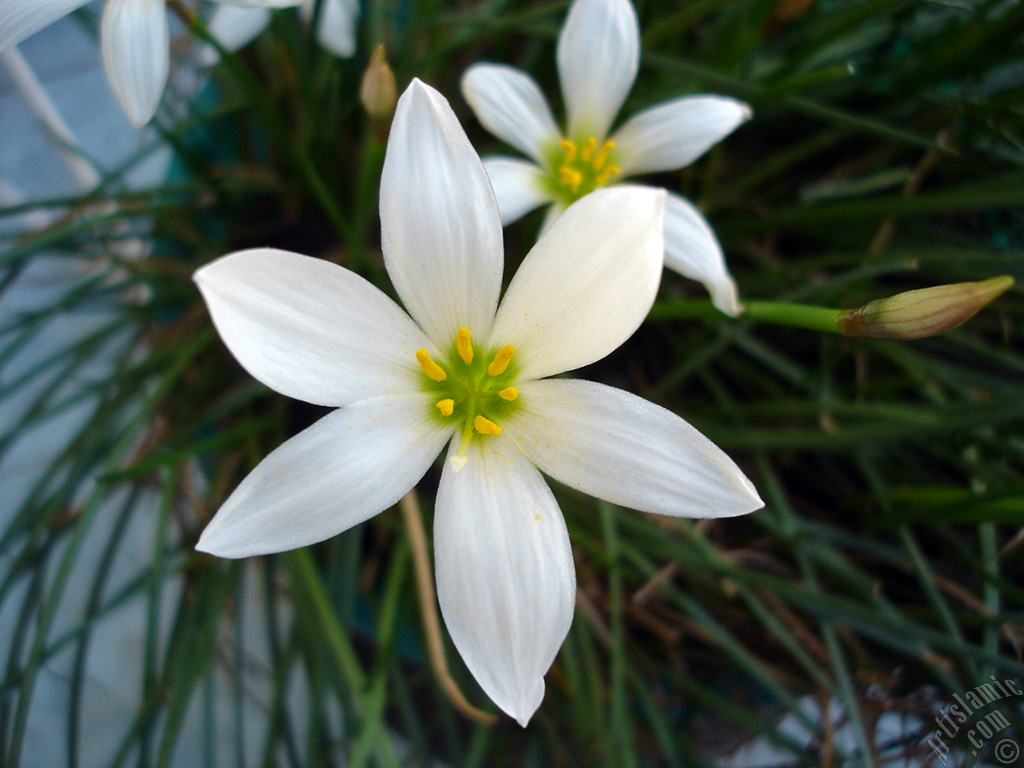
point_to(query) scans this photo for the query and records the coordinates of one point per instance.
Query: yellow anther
(486, 426)
(607, 173)
(432, 369)
(569, 147)
(465, 345)
(602, 154)
(500, 361)
(588, 150)
(570, 178)
(446, 406)
(509, 393)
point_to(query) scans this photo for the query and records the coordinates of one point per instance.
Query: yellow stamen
(602, 154)
(509, 393)
(569, 147)
(465, 345)
(446, 406)
(486, 426)
(500, 362)
(588, 150)
(607, 173)
(432, 369)
(570, 178)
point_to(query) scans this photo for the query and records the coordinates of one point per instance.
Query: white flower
(469, 373)
(235, 26)
(598, 56)
(134, 41)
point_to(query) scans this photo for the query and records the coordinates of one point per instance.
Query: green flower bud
(924, 312)
(378, 92)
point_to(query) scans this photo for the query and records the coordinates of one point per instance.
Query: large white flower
(134, 41)
(461, 370)
(235, 26)
(598, 56)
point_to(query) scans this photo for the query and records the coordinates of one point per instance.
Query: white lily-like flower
(134, 41)
(598, 56)
(235, 26)
(462, 370)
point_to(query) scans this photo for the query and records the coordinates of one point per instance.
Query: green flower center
(578, 168)
(474, 390)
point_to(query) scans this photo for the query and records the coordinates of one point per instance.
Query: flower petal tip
(529, 702)
(741, 498)
(207, 273)
(418, 86)
(223, 538)
(739, 112)
(200, 275)
(208, 544)
(758, 502)
(750, 496)
(415, 91)
(725, 296)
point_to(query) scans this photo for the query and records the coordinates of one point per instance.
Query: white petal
(136, 54)
(337, 29)
(353, 463)
(440, 225)
(626, 450)
(518, 186)
(310, 329)
(235, 27)
(588, 284)
(505, 576)
(692, 250)
(22, 18)
(598, 58)
(556, 210)
(263, 3)
(509, 104)
(674, 134)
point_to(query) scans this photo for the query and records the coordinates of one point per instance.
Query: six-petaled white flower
(134, 41)
(598, 57)
(461, 370)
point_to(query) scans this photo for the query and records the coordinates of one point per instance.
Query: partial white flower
(134, 41)
(463, 369)
(236, 26)
(598, 56)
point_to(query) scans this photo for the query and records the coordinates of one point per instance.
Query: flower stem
(910, 315)
(775, 312)
(796, 315)
(428, 610)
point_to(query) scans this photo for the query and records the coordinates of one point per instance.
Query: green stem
(624, 752)
(370, 694)
(774, 312)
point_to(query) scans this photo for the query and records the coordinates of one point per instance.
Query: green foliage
(885, 154)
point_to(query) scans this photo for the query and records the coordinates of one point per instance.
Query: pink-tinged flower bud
(378, 92)
(924, 312)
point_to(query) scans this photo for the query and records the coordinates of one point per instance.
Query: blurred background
(881, 583)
